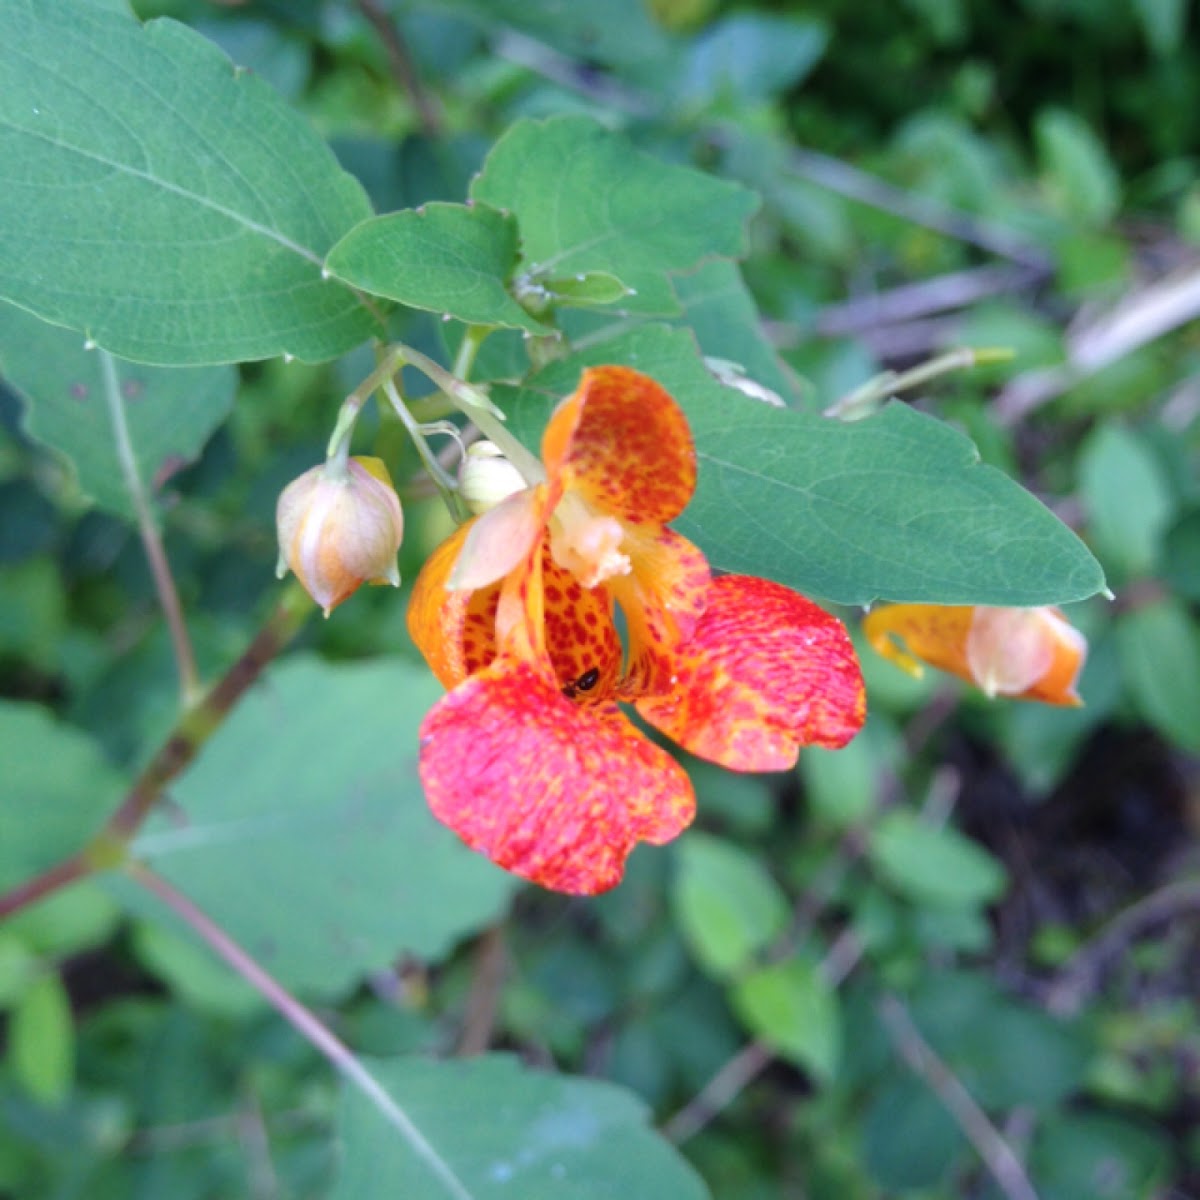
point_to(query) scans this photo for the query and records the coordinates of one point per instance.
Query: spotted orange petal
(623, 442)
(765, 673)
(454, 630)
(557, 793)
(932, 633)
(662, 598)
(581, 639)
(1022, 653)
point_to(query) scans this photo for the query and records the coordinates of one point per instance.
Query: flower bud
(340, 526)
(486, 477)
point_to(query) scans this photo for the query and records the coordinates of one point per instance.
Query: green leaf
(592, 289)
(726, 903)
(491, 1130)
(720, 311)
(1079, 173)
(586, 200)
(894, 506)
(791, 1006)
(1159, 650)
(1128, 499)
(194, 973)
(86, 404)
(909, 1139)
(841, 785)
(1181, 556)
(1096, 1156)
(617, 33)
(303, 831)
(448, 258)
(755, 55)
(183, 218)
(935, 866)
(1163, 23)
(41, 1041)
(56, 790)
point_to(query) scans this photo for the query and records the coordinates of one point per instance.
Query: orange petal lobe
(932, 633)
(765, 673)
(663, 598)
(557, 793)
(454, 630)
(625, 444)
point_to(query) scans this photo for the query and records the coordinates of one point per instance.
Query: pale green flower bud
(486, 477)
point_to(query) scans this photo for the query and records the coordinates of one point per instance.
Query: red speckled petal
(551, 791)
(581, 639)
(624, 443)
(454, 630)
(933, 633)
(765, 673)
(663, 598)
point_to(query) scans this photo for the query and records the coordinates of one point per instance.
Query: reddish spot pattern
(556, 793)
(765, 673)
(580, 635)
(622, 441)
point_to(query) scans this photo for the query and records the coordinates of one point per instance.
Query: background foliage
(959, 952)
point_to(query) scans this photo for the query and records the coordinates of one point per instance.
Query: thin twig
(998, 1156)
(738, 1072)
(1078, 975)
(483, 1001)
(156, 555)
(305, 1022)
(52, 880)
(942, 293)
(402, 67)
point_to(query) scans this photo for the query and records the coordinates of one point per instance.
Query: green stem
(109, 847)
(863, 400)
(304, 1021)
(442, 481)
(156, 555)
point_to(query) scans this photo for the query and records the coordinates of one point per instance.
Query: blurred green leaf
(448, 258)
(934, 865)
(303, 831)
(41, 1040)
(1127, 497)
(83, 402)
(909, 1139)
(1078, 171)
(497, 1130)
(754, 55)
(840, 785)
(18, 968)
(1094, 1156)
(592, 289)
(56, 790)
(1163, 24)
(721, 312)
(792, 1007)
(896, 505)
(183, 220)
(726, 903)
(1181, 556)
(193, 972)
(586, 200)
(1160, 656)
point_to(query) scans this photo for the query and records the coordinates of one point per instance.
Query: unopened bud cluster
(340, 525)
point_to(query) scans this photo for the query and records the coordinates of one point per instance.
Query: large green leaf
(303, 830)
(89, 406)
(896, 506)
(491, 1130)
(586, 200)
(1159, 648)
(56, 789)
(448, 258)
(166, 204)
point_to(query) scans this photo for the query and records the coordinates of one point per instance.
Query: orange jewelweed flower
(529, 757)
(1024, 653)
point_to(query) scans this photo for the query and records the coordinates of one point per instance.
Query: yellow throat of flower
(585, 542)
